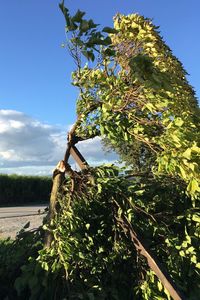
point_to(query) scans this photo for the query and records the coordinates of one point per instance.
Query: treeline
(18, 190)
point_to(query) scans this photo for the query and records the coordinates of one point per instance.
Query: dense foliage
(135, 95)
(14, 255)
(16, 190)
(91, 256)
(136, 90)
(99, 260)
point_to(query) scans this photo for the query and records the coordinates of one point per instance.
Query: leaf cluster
(91, 257)
(85, 36)
(141, 95)
(98, 259)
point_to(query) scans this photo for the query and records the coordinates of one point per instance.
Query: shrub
(17, 190)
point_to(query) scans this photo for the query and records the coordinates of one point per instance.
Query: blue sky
(35, 70)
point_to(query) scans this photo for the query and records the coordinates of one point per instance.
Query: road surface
(18, 211)
(13, 219)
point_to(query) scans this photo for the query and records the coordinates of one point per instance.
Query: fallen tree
(106, 236)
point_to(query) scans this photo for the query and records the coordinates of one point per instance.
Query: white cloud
(93, 152)
(28, 146)
(24, 139)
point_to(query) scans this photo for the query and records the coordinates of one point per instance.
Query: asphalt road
(19, 211)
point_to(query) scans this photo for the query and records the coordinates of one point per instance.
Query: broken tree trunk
(59, 177)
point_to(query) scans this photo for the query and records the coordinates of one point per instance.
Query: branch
(139, 244)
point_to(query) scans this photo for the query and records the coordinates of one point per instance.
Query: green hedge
(17, 190)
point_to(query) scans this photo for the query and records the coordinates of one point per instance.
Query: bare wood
(152, 262)
(58, 178)
(77, 156)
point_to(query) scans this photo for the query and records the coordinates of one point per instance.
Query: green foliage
(139, 94)
(92, 258)
(134, 94)
(14, 255)
(86, 240)
(16, 190)
(84, 34)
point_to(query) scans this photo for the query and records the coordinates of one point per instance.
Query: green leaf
(193, 259)
(84, 26)
(87, 226)
(45, 266)
(195, 149)
(99, 187)
(106, 41)
(190, 250)
(150, 106)
(109, 30)
(182, 253)
(109, 52)
(65, 12)
(196, 218)
(187, 153)
(178, 122)
(198, 265)
(78, 16)
(125, 136)
(193, 186)
(92, 24)
(160, 286)
(100, 250)
(93, 41)
(80, 254)
(88, 54)
(183, 173)
(175, 138)
(72, 26)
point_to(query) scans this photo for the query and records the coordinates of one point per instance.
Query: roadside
(17, 211)
(13, 219)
